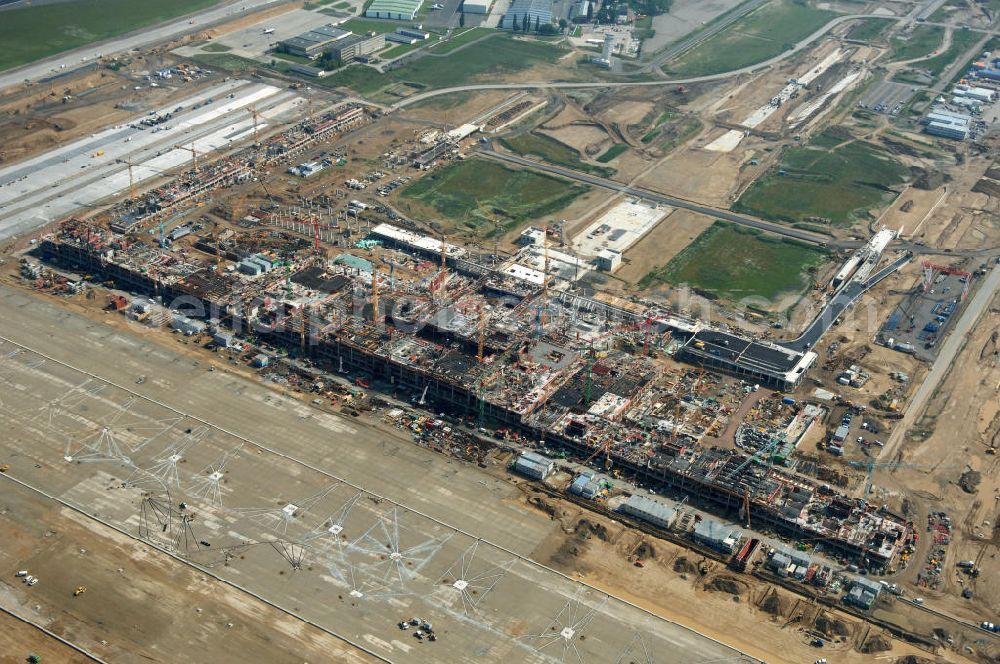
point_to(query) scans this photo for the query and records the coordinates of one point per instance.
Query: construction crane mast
(131, 177)
(375, 293)
(252, 110)
(194, 154)
(482, 335)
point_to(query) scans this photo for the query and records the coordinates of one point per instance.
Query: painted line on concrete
(742, 656)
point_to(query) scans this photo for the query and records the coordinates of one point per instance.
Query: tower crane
(760, 453)
(252, 110)
(194, 154)
(482, 334)
(131, 177)
(375, 294)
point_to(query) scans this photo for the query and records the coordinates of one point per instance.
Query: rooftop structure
(356, 46)
(313, 43)
(760, 361)
(620, 227)
(652, 511)
(533, 11)
(397, 10)
(534, 465)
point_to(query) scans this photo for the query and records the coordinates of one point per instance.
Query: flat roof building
(476, 6)
(608, 260)
(957, 132)
(761, 361)
(397, 10)
(586, 486)
(315, 42)
(356, 46)
(713, 534)
(539, 11)
(647, 509)
(534, 465)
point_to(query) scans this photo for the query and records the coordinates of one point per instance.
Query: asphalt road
(715, 213)
(840, 303)
(532, 85)
(158, 34)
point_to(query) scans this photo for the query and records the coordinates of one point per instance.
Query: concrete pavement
(138, 39)
(409, 516)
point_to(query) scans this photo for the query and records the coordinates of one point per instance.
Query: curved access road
(804, 43)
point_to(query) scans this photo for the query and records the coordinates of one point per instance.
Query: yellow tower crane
(194, 154)
(375, 314)
(482, 334)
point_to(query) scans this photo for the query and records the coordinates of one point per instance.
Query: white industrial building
(534, 465)
(984, 95)
(187, 326)
(608, 260)
(225, 340)
(715, 535)
(586, 485)
(620, 227)
(396, 10)
(649, 510)
(476, 6)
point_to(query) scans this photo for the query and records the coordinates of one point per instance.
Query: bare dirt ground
(697, 175)
(911, 209)
(957, 430)
(759, 618)
(139, 605)
(35, 119)
(22, 640)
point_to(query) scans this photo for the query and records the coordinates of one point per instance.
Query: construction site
(333, 291)
(528, 369)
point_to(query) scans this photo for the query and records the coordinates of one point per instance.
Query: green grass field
(671, 129)
(762, 34)
(612, 153)
(490, 59)
(555, 152)
(476, 192)
(33, 33)
(461, 39)
(961, 41)
(401, 49)
(921, 42)
(869, 29)
(213, 47)
(839, 186)
(732, 262)
(655, 129)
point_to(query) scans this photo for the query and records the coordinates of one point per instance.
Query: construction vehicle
(79, 591)
(4, 468)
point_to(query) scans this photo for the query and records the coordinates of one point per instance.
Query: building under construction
(499, 345)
